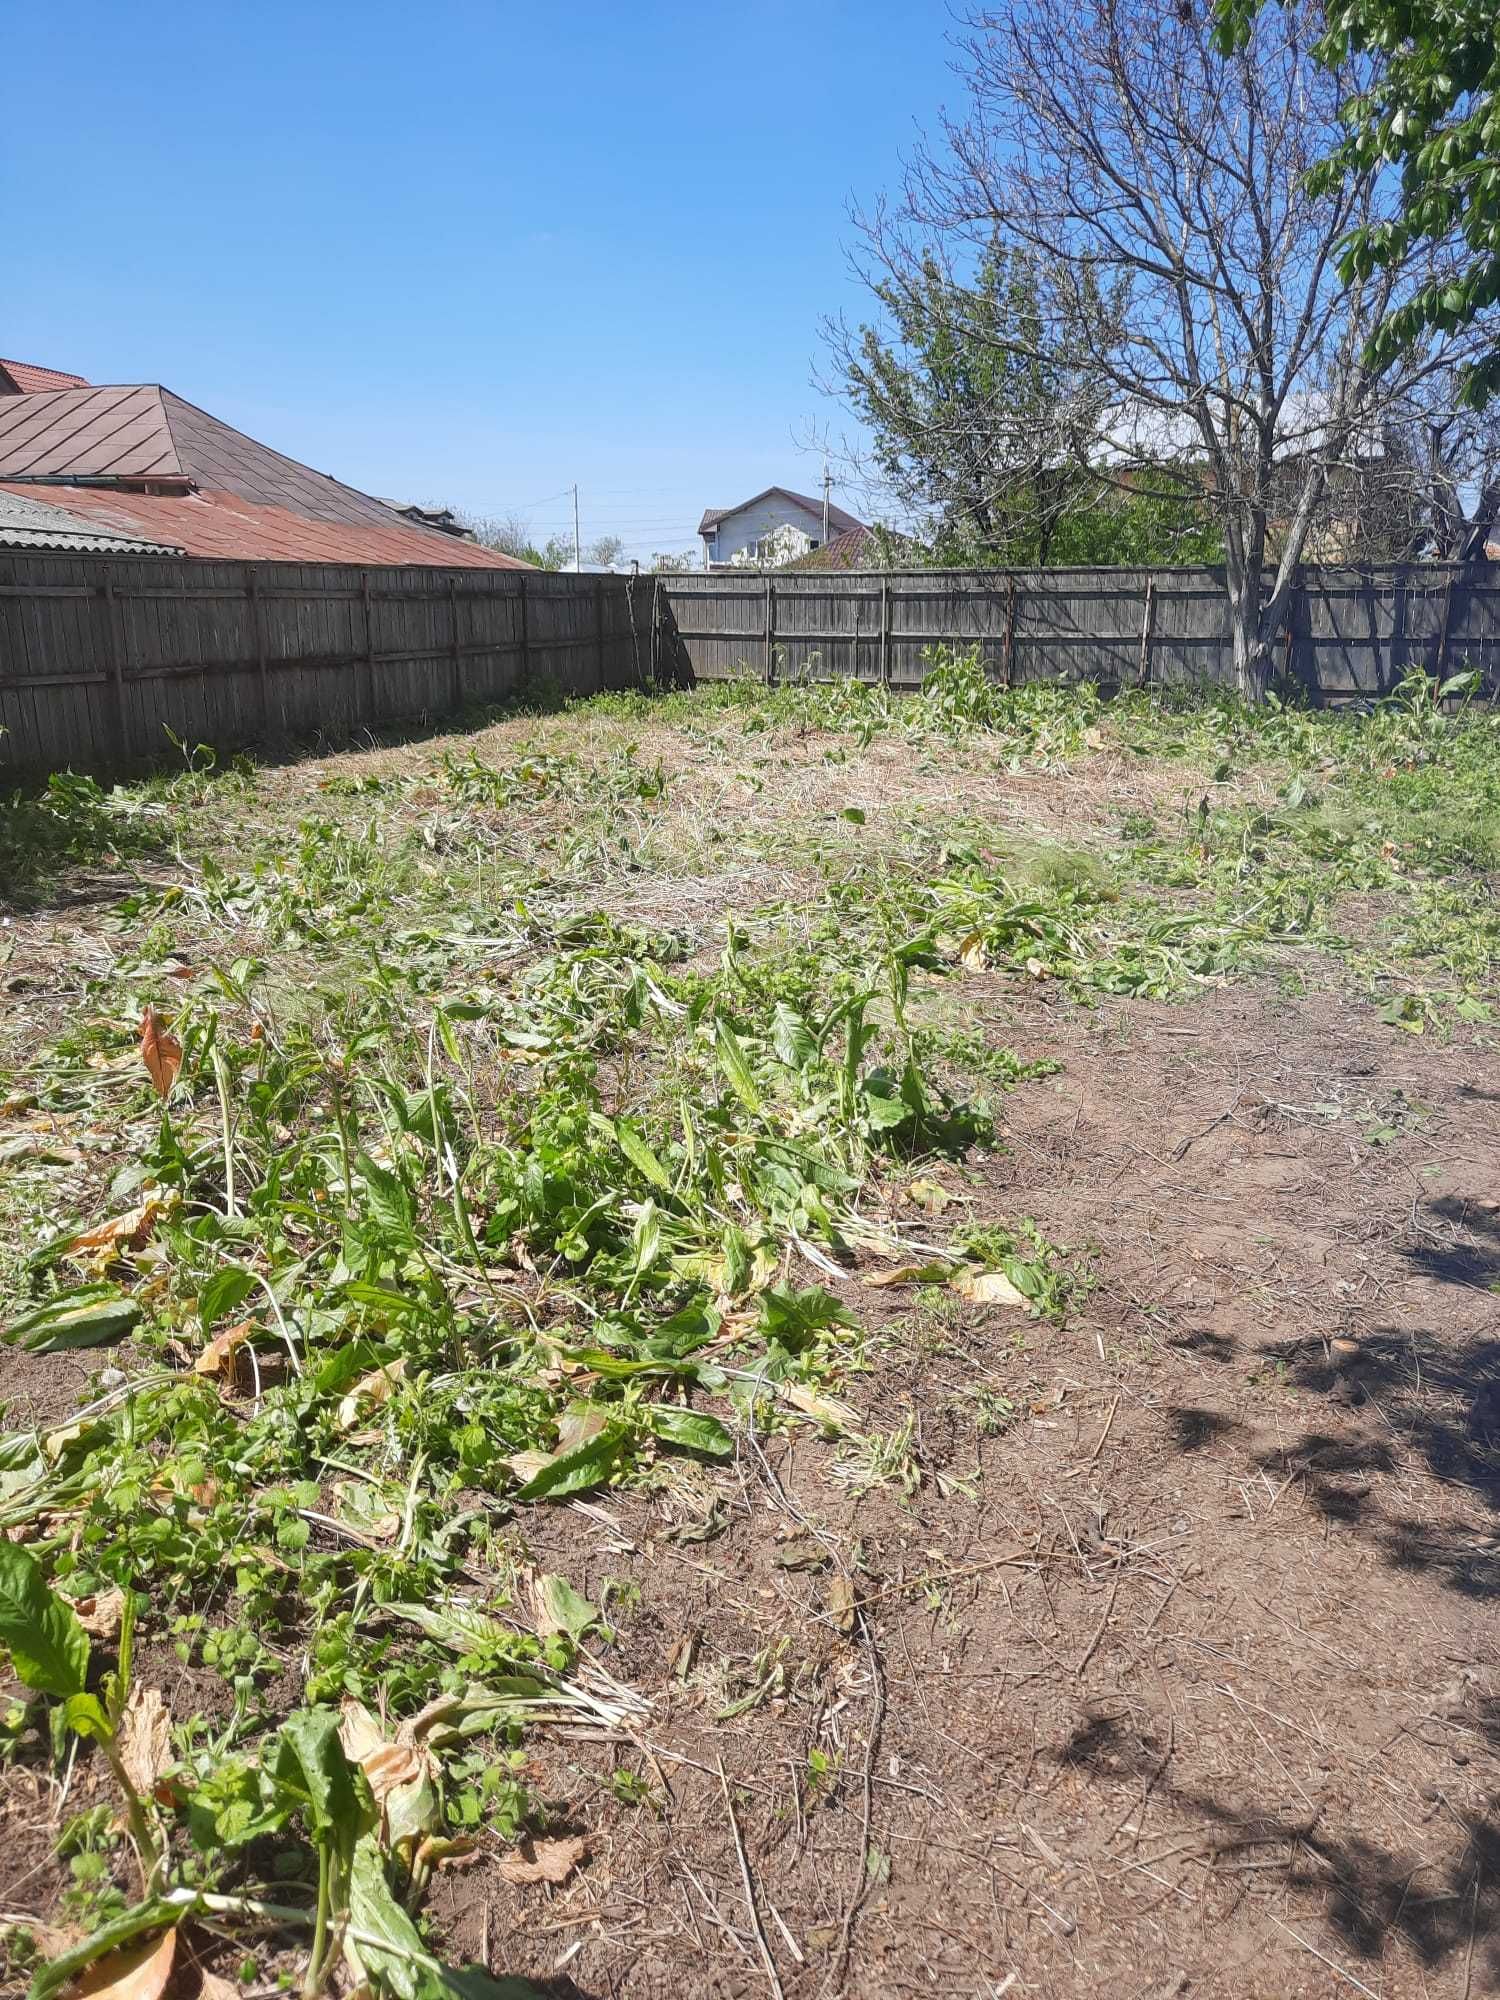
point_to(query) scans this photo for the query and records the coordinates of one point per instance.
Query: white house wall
(737, 531)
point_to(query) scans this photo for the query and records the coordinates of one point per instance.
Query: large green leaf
(733, 1062)
(387, 1947)
(311, 1767)
(586, 1465)
(48, 1646)
(86, 1316)
(51, 1978)
(690, 1429)
(458, 1626)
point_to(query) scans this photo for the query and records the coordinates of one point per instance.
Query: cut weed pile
(442, 1136)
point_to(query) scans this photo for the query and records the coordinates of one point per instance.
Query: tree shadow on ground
(1436, 1907)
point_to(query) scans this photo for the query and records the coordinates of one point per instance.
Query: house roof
(22, 378)
(29, 523)
(854, 549)
(216, 492)
(838, 517)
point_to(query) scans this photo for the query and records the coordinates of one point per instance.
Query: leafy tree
(1180, 271)
(974, 396)
(1428, 106)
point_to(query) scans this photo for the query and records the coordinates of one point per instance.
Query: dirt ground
(1165, 1662)
(1195, 1689)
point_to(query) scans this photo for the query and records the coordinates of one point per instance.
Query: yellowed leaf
(545, 1860)
(120, 1233)
(825, 1409)
(161, 1052)
(101, 1615)
(140, 1972)
(145, 1739)
(1037, 970)
(893, 1274)
(929, 1195)
(375, 1388)
(218, 1358)
(986, 1288)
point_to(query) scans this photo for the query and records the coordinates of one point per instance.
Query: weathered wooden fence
(100, 656)
(1351, 632)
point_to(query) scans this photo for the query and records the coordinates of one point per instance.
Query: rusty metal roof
(22, 378)
(217, 492)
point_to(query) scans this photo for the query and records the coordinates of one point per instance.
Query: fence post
(525, 634)
(258, 630)
(1440, 668)
(1148, 632)
(458, 664)
(368, 702)
(770, 633)
(1008, 657)
(599, 625)
(655, 630)
(116, 627)
(885, 629)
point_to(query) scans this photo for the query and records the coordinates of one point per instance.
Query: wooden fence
(1351, 632)
(100, 657)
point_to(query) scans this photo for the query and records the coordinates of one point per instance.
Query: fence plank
(101, 656)
(1353, 632)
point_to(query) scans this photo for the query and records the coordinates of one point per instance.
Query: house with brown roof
(770, 528)
(137, 461)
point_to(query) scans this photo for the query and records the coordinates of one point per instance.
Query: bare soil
(1184, 1682)
(1172, 1667)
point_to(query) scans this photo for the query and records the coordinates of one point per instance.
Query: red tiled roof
(28, 377)
(226, 495)
(854, 549)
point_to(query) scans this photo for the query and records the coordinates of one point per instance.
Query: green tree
(977, 398)
(1428, 106)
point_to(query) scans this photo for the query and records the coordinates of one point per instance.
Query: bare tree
(1109, 142)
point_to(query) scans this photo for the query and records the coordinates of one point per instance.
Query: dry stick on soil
(851, 1910)
(773, 1978)
(1089, 1649)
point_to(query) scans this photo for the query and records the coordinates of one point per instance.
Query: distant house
(137, 461)
(773, 528)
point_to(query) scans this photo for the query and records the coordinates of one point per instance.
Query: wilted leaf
(101, 1614)
(161, 1052)
(893, 1274)
(986, 1288)
(139, 1973)
(145, 1739)
(560, 1608)
(388, 1765)
(545, 1860)
(218, 1358)
(826, 1410)
(841, 1602)
(121, 1232)
(972, 952)
(375, 1388)
(929, 1195)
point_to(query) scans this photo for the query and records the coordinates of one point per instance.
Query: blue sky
(465, 252)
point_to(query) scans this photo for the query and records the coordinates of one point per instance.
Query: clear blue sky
(465, 252)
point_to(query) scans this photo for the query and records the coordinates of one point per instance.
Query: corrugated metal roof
(28, 377)
(228, 495)
(29, 523)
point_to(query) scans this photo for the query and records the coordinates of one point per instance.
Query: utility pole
(826, 483)
(577, 541)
